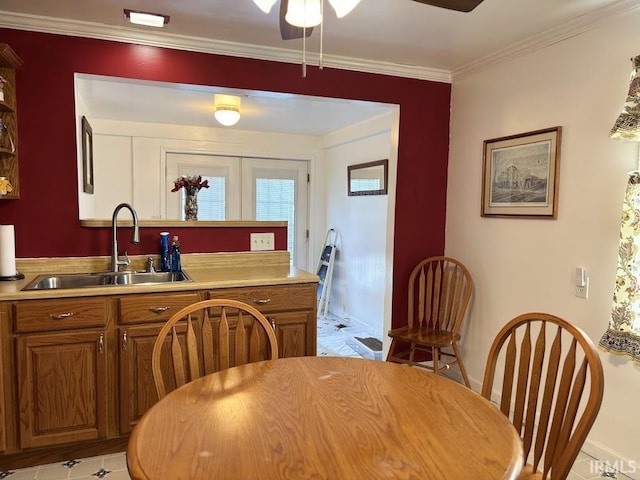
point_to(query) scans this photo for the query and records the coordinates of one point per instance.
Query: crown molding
(196, 44)
(75, 28)
(549, 37)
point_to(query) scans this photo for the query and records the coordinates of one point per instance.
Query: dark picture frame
(369, 178)
(520, 175)
(87, 156)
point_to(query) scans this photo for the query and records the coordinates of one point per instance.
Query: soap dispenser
(176, 264)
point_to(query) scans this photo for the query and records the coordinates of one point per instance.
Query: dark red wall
(46, 215)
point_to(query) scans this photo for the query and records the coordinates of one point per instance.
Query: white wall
(361, 271)
(528, 265)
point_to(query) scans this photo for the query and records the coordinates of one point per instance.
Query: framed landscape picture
(520, 175)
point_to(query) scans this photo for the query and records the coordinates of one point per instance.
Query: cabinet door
(137, 390)
(292, 333)
(137, 387)
(3, 412)
(62, 387)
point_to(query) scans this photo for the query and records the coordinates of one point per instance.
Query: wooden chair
(439, 292)
(209, 336)
(556, 374)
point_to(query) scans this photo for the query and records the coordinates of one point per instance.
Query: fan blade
(459, 5)
(288, 31)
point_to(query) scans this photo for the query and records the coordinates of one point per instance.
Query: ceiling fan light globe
(265, 5)
(304, 13)
(227, 116)
(343, 7)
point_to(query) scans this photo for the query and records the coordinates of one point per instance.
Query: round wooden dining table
(323, 418)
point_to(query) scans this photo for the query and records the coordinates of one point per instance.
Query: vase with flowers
(192, 185)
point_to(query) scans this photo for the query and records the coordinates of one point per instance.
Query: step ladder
(325, 271)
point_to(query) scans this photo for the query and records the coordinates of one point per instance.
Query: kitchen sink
(105, 279)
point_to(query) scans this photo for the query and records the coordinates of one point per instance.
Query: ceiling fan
(289, 31)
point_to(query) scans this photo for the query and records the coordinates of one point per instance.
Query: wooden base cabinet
(61, 360)
(75, 373)
(62, 387)
(291, 309)
(140, 318)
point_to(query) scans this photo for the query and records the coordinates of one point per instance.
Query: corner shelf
(9, 62)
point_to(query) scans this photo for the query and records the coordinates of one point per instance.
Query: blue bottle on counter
(165, 265)
(176, 264)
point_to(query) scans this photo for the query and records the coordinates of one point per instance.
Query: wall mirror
(368, 178)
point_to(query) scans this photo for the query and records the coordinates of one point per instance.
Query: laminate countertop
(207, 271)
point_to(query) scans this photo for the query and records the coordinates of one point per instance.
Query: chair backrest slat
(509, 375)
(240, 343)
(202, 338)
(423, 303)
(223, 341)
(534, 390)
(254, 343)
(192, 350)
(208, 354)
(522, 378)
(434, 319)
(176, 353)
(559, 410)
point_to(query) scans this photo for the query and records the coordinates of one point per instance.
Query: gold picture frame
(87, 156)
(520, 175)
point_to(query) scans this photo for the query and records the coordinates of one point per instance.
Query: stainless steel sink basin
(105, 279)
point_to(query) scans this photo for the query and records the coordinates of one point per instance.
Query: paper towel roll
(7, 251)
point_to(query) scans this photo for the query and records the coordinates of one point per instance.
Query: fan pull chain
(321, 33)
(304, 52)
(304, 41)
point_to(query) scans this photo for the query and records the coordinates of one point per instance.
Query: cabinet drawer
(272, 298)
(60, 314)
(153, 307)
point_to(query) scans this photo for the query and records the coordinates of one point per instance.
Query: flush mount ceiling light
(227, 109)
(146, 18)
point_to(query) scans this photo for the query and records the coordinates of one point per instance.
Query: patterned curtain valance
(627, 126)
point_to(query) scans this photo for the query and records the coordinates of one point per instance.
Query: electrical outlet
(262, 241)
(583, 292)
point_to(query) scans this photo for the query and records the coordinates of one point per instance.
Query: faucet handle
(150, 266)
(126, 260)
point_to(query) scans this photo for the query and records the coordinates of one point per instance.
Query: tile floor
(335, 337)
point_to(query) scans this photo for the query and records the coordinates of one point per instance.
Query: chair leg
(460, 364)
(392, 349)
(435, 356)
(412, 353)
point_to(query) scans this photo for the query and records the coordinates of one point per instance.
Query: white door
(278, 190)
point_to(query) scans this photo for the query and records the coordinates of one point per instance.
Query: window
(247, 189)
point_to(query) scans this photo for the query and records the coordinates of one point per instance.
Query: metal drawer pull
(60, 316)
(124, 341)
(159, 309)
(262, 301)
(101, 344)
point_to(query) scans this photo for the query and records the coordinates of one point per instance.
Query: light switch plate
(262, 241)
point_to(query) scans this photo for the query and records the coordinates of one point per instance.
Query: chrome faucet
(116, 263)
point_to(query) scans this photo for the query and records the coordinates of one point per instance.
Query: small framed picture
(520, 175)
(87, 156)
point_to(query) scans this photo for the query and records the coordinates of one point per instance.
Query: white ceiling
(397, 37)
(400, 32)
